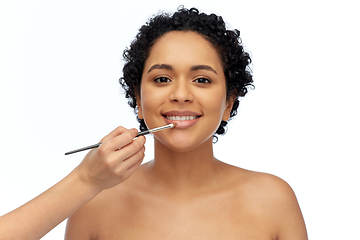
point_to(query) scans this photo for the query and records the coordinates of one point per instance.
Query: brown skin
(185, 192)
(246, 205)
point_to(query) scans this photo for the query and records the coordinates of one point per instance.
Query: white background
(60, 62)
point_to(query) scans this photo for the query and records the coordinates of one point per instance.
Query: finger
(128, 167)
(119, 141)
(130, 149)
(133, 167)
(116, 132)
(130, 171)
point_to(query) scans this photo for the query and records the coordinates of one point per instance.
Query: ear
(229, 105)
(138, 103)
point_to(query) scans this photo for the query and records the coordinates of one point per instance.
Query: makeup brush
(172, 125)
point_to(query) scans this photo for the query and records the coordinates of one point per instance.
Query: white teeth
(180, 118)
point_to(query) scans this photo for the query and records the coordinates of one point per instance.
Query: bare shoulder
(87, 221)
(258, 182)
(273, 199)
(267, 185)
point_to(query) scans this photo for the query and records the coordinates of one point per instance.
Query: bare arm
(102, 168)
(291, 225)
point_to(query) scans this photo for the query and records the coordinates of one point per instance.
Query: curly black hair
(227, 42)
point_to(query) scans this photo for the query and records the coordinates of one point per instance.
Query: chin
(184, 144)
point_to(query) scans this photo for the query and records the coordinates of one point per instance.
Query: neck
(185, 171)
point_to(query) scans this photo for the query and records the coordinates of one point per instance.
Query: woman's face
(183, 82)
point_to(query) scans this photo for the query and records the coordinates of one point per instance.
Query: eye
(162, 79)
(202, 80)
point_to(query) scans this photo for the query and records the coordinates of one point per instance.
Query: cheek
(215, 102)
(151, 100)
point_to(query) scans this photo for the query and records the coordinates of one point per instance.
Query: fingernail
(136, 131)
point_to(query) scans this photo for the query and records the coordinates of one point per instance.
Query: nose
(181, 92)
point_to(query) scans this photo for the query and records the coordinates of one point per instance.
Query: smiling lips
(184, 119)
(181, 118)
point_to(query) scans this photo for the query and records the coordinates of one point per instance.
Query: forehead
(183, 48)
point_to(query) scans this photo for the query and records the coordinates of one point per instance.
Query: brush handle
(84, 148)
(98, 144)
(140, 134)
(143, 133)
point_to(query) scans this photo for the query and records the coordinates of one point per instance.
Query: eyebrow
(193, 68)
(203, 67)
(161, 66)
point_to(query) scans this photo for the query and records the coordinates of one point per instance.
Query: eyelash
(207, 80)
(162, 77)
(158, 79)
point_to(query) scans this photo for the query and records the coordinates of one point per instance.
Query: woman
(188, 69)
(185, 69)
